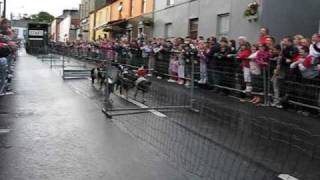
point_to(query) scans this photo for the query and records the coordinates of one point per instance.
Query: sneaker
(180, 82)
(305, 113)
(159, 77)
(277, 105)
(149, 75)
(248, 89)
(171, 81)
(187, 84)
(201, 81)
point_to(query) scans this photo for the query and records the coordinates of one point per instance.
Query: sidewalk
(57, 134)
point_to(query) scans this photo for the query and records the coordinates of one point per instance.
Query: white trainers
(159, 77)
(180, 82)
(171, 81)
(149, 75)
(248, 89)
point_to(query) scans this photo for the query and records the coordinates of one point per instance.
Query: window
(170, 2)
(223, 26)
(144, 6)
(168, 30)
(193, 28)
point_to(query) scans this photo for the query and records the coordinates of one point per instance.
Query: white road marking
(157, 113)
(286, 177)
(4, 131)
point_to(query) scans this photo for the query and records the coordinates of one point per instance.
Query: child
(261, 60)
(243, 55)
(173, 67)
(181, 74)
(203, 51)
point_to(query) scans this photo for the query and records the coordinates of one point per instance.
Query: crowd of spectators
(8, 49)
(254, 68)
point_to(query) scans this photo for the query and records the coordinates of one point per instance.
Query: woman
(262, 60)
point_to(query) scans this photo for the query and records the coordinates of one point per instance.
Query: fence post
(107, 103)
(63, 65)
(192, 99)
(51, 61)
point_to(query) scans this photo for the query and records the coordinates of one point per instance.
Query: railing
(6, 72)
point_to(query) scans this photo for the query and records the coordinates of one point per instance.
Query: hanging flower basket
(251, 13)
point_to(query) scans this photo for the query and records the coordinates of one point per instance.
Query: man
(289, 54)
(214, 49)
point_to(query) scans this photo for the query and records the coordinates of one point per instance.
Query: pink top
(262, 58)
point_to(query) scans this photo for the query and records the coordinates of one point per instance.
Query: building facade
(86, 8)
(175, 18)
(131, 19)
(68, 26)
(20, 28)
(55, 29)
(103, 16)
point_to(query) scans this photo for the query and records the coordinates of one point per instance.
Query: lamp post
(0, 7)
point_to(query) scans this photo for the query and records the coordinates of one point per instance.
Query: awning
(117, 25)
(117, 22)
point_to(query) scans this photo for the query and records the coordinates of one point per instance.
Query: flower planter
(252, 18)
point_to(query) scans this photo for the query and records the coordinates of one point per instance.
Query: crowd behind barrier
(8, 54)
(281, 75)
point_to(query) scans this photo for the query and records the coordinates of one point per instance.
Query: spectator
(264, 34)
(276, 79)
(243, 56)
(214, 49)
(259, 80)
(298, 41)
(203, 51)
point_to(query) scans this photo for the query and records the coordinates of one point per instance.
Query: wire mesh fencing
(225, 142)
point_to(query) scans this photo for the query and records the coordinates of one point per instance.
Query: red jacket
(263, 39)
(243, 56)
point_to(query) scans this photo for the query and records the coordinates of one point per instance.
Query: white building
(66, 27)
(20, 28)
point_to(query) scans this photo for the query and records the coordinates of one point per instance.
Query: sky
(54, 7)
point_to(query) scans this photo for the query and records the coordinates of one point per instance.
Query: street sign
(36, 32)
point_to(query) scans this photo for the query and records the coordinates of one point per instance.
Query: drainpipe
(94, 25)
(153, 14)
(4, 8)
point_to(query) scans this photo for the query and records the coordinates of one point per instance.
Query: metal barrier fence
(221, 140)
(223, 73)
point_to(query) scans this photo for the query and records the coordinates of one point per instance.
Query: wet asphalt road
(57, 134)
